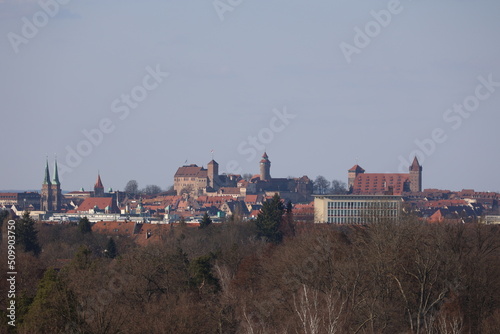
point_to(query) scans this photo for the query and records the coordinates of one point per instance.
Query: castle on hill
(198, 181)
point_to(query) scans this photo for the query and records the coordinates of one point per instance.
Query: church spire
(415, 166)
(56, 174)
(98, 183)
(46, 180)
(98, 187)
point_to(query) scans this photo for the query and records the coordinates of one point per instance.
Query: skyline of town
(170, 183)
(239, 166)
(309, 83)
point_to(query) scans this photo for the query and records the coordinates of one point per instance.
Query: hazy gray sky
(297, 76)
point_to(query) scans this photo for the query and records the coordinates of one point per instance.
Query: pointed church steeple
(98, 187)
(56, 174)
(98, 183)
(415, 166)
(46, 180)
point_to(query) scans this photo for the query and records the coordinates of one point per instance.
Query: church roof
(98, 183)
(46, 179)
(56, 174)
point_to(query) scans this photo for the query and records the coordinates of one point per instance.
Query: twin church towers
(51, 197)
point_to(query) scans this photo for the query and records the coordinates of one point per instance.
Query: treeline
(256, 277)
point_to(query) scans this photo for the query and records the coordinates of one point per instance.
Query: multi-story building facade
(196, 180)
(22, 200)
(361, 183)
(356, 209)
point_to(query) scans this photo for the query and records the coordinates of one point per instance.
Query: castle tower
(98, 187)
(46, 193)
(415, 176)
(352, 174)
(265, 168)
(56, 190)
(213, 173)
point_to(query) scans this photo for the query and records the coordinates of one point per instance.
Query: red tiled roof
(191, 171)
(254, 213)
(230, 190)
(375, 183)
(356, 168)
(214, 199)
(115, 228)
(251, 199)
(10, 195)
(100, 202)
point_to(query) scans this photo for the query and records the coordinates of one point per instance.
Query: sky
(135, 89)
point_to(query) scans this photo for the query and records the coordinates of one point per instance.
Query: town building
(27, 200)
(356, 209)
(196, 181)
(361, 183)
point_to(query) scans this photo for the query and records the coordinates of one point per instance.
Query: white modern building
(356, 209)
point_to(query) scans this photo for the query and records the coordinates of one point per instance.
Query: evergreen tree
(287, 226)
(110, 250)
(53, 307)
(4, 215)
(268, 221)
(201, 273)
(84, 226)
(83, 258)
(27, 235)
(206, 221)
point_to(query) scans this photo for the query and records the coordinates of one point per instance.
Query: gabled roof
(252, 199)
(237, 206)
(91, 202)
(191, 171)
